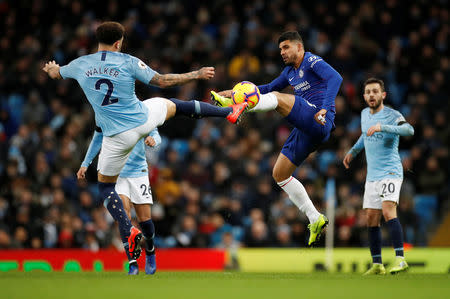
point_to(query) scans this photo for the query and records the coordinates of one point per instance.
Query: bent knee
(171, 109)
(279, 175)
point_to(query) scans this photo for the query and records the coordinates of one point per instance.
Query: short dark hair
(109, 32)
(375, 80)
(290, 35)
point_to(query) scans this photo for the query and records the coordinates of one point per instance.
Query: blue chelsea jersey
(315, 81)
(108, 81)
(383, 159)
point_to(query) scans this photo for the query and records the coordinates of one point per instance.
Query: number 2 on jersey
(107, 99)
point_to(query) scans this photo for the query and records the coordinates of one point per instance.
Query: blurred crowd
(211, 181)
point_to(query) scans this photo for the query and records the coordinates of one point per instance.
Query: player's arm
(354, 151)
(277, 84)
(399, 126)
(402, 129)
(168, 80)
(153, 139)
(92, 152)
(52, 69)
(331, 77)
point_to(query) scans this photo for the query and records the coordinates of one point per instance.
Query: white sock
(266, 102)
(297, 194)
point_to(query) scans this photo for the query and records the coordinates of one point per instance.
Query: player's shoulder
(287, 69)
(389, 109)
(135, 62)
(365, 111)
(394, 115)
(82, 58)
(312, 58)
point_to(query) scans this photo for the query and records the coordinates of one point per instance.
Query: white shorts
(136, 189)
(378, 191)
(116, 149)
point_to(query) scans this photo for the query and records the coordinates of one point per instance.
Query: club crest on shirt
(300, 73)
(141, 65)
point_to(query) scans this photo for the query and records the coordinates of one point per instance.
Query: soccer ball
(245, 91)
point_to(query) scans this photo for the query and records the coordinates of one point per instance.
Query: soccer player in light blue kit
(107, 78)
(381, 127)
(132, 186)
(310, 110)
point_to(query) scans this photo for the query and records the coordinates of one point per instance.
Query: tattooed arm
(168, 80)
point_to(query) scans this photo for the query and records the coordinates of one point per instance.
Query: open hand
(52, 69)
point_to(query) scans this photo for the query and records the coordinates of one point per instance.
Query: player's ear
(117, 45)
(383, 95)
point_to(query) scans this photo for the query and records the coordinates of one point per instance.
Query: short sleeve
(141, 71)
(69, 70)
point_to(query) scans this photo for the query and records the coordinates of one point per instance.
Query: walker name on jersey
(102, 71)
(302, 86)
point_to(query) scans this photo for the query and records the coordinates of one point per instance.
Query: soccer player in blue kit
(132, 186)
(310, 110)
(107, 78)
(381, 127)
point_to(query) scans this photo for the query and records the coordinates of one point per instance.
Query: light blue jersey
(136, 165)
(107, 79)
(383, 160)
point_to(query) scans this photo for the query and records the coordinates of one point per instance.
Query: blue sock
(375, 244)
(395, 229)
(148, 230)
(196, 109)
(113, 203)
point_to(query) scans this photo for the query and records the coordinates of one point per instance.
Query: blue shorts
(307, 135)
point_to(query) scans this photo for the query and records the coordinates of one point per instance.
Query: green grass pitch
(230, 285)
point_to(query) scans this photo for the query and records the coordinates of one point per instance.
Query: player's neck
(299, 62)
(110, 48)
(378, 109)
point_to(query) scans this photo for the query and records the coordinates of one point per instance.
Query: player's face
(373, 95)
(290, 51)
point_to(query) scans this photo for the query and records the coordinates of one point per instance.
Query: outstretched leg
(281, 102)
(197, 109)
